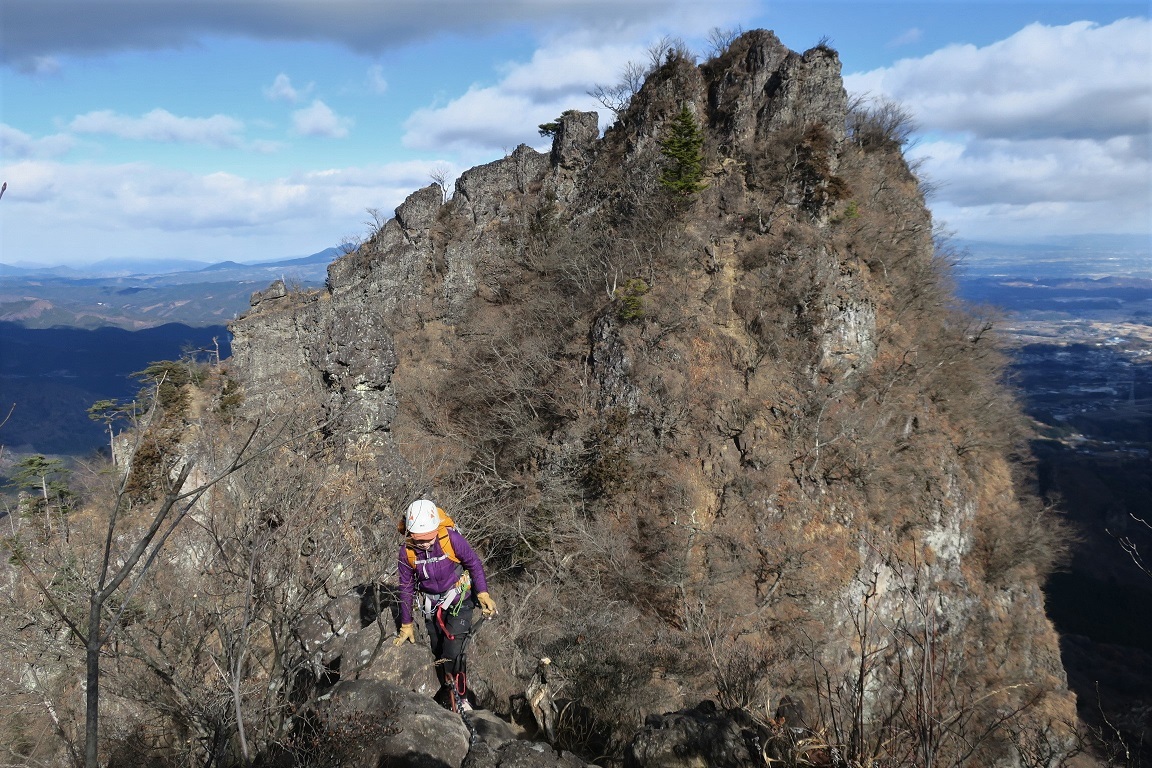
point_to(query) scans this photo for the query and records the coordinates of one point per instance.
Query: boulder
(490, 729)
(370, 655)
(521, 754)
(387, 725)
(323, 635)
(704, 736)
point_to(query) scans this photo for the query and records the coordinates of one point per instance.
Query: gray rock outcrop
(701, 736)
(406, 729)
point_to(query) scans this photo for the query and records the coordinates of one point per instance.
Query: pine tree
(46, 480)
(683, 148)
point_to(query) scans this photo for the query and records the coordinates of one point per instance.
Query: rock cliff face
(730, 445)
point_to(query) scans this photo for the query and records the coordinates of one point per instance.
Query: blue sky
(261, 129)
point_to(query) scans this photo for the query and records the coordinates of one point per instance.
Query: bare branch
(720, 40)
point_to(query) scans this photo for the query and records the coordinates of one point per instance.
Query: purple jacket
(435, 572)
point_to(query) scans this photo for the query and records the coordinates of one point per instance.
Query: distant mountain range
(163, 267)
(134, 295)
(71, 336)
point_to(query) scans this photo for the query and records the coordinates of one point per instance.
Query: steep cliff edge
(736, 444)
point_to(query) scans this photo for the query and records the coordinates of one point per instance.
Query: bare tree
(121, 572)
(668, 49)
(879, 122)
(617, 97)
(720, 40)
(1132, 549)
(285, 541)
(350, 244)
(913, 695)
(265, 555)
(377, 218)
(440, 174)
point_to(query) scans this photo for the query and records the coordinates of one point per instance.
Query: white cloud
(266, 146)
(17, 145)
(1022, 189)
(573, 59)
(566, 69)
(162, 125)
(1034, 222)
(130, 210)
(483, 122)
(283, 90)
(999, 171)
(319, 120)
(499, 117)
(376, 82)
(1044, 132)
(29, 182)
(1077, 80)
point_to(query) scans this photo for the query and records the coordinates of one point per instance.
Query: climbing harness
(435, 603)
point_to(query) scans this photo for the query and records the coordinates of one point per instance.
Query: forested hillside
(49, 377)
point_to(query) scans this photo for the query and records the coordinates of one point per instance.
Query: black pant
(448, 642)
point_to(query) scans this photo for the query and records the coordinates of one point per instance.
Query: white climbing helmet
(421, 517)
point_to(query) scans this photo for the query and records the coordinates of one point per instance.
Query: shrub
(880, 124)
(818, 185)
(231, 397)
(631, 298)
(609, 469)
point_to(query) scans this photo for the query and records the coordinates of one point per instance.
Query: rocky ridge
(741, 443)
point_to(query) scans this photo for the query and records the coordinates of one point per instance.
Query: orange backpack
(446, 525)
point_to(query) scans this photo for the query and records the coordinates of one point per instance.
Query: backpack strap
(446, 525)
(445, 544)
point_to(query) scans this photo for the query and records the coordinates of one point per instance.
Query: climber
(440, 570)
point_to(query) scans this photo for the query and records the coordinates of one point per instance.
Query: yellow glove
(406, 633)
(487, 607)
